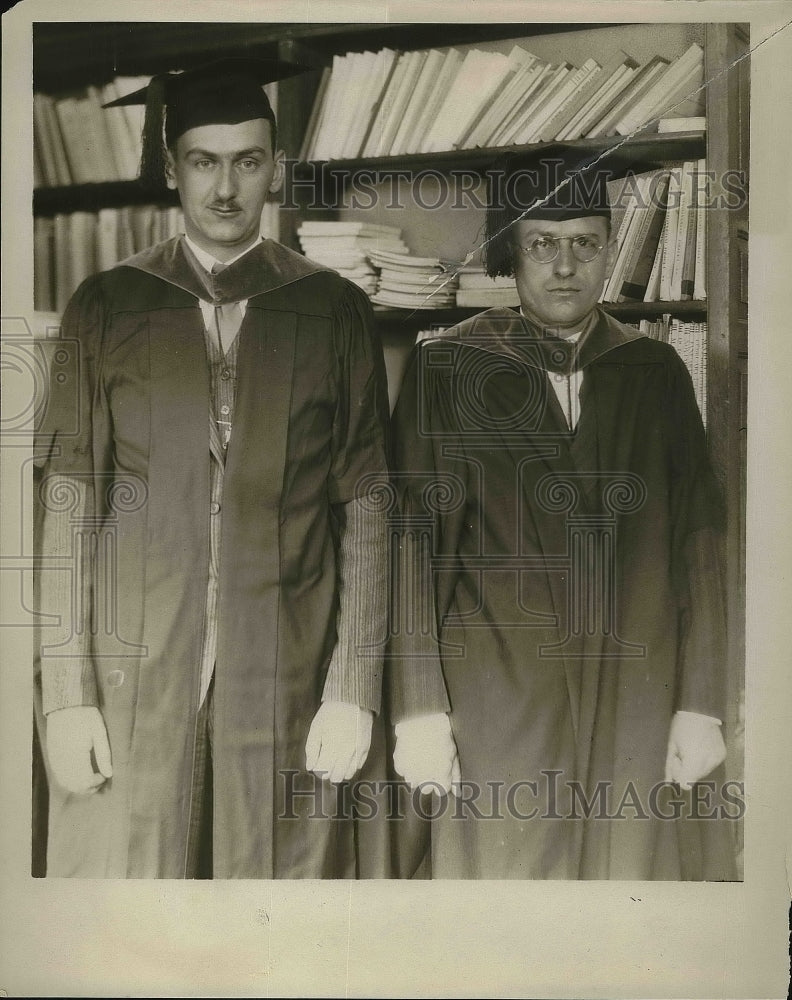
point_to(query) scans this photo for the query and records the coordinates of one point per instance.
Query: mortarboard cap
(224, 92)
(554, 182)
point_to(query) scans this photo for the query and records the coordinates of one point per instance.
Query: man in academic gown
(216, 424)
(559, 522)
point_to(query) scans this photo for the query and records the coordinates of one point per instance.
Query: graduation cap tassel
(153, 157)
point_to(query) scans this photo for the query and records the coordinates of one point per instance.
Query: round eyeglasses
(545, 248)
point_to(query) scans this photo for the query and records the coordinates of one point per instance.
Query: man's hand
(72, 733)
(695, 747)
(338, 741)
(426, 753)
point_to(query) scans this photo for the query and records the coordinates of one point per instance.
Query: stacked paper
(476, 288)
(345, 246)
(407, 282)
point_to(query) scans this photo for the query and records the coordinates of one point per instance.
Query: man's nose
(226, 182)
(565, 262)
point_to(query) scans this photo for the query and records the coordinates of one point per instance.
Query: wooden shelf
(646, 150)
(92, 197)
(409, 320)
(646, 310)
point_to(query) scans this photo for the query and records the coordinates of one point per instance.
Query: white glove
(426, 754)
(72, 733)
(695, 747)
(338, 740)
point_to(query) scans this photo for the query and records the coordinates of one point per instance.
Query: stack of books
(407, 282)
(391, 103)
(661, 236)
(690, 342)
(477, 289)
(76, 141)
(345, 246)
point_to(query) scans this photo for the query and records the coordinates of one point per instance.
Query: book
(535, 130)
(420, 94)
(345, 246)
(373, 143)
(550, 85)
(106, 239)
(52, 128)
(141, 219)
(627, 233)
(684, 234)
(134, 113)
(639, 84)
(684, 94)
(96, 136)
(479, 76)
(638, 272)
(476, 277)
(313, 119)
(43, 138)
(354, 105)
(477, 289)
(492, 114)
(125, 146)
(652, 293)
(496, 73)
(82, 245)
(530, 84)
(569, 110)
(81, 167)
(126, 241)
(413, 282)
(658, 97)
(629, 250)
(600, 101)
(414, 62)
(670, 233)
(334, 109)
(688, 264)
(695, 123)
(445, 78)
(700, 267)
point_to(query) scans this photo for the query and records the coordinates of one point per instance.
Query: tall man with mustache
(231, 414)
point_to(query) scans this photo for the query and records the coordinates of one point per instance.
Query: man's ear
(170, 170)
(280, 169)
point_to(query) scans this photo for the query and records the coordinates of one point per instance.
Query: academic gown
(310, 413)
(572, 582)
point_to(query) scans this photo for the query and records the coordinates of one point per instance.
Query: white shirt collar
(207, 261)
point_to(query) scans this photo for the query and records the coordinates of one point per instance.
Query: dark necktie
(228, 318)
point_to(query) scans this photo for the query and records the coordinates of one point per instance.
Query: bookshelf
(76, 55)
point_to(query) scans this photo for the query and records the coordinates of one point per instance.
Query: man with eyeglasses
(557, 679)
